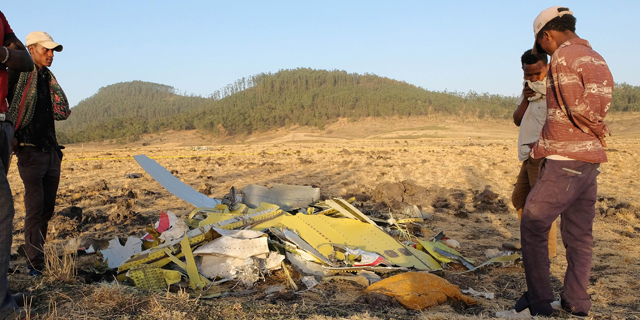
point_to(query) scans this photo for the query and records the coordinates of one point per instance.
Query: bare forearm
(519, 113)
(19, 58)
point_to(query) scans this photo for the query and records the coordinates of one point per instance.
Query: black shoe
(34, 272)
(21, 298)
(565, 306)
(538, 309)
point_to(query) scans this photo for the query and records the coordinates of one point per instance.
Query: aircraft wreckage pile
(244, 237)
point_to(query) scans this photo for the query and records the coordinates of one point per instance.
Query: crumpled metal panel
(288, 197)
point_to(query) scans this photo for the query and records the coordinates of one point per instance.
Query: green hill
(121, 105)
(267, 101)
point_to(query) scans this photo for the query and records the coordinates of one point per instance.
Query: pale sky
(200, 46)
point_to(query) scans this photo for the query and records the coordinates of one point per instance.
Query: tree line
(266, 101)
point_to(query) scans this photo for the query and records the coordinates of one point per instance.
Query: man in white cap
(36, 101)
(579, 89)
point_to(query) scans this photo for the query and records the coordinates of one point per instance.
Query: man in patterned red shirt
(579, 89)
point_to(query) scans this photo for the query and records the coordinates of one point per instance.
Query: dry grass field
(455, 160)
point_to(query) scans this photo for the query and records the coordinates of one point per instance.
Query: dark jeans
(7, 305)
(567, 189)
(40, 173)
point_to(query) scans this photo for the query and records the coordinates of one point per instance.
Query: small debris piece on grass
(512, 314)
(492, 253)
(274, 288)
(487, 295)
(309, 281)
(452, 243)
(361, 280)
(506, 258)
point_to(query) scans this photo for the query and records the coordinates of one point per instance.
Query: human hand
(528, 92)
(530, 145)
(14, 145)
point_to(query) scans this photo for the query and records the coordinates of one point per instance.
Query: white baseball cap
(44, 39)
(543, 18)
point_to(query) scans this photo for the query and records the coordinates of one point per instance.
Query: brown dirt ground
(454, 160)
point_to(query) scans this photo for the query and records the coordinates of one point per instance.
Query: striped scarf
(25, 95)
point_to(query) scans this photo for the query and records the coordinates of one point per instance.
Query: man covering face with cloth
(36, 101)
(530, 116)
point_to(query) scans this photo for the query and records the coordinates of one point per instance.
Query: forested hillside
(127, 100)
(625, 97)
(267, 101)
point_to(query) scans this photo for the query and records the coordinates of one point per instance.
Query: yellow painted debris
(430, 246)
(148, 277)
(196, 280)
(409, 220)
(171, 276)
(220, 216)
(349, 211)
(286, 272)
(321, 231)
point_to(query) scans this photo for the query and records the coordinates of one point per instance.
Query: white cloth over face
(534, 117)
(540, 87)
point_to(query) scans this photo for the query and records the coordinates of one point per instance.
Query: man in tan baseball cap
(41, 46)
(43, 39)
(36, 102)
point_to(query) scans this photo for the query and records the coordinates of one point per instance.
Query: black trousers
(40, 173)
(7, 305)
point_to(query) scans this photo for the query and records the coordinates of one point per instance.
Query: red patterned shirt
(579, 89)
(5, 29)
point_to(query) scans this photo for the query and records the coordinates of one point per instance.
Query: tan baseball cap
(541, 20)
(43, 39)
